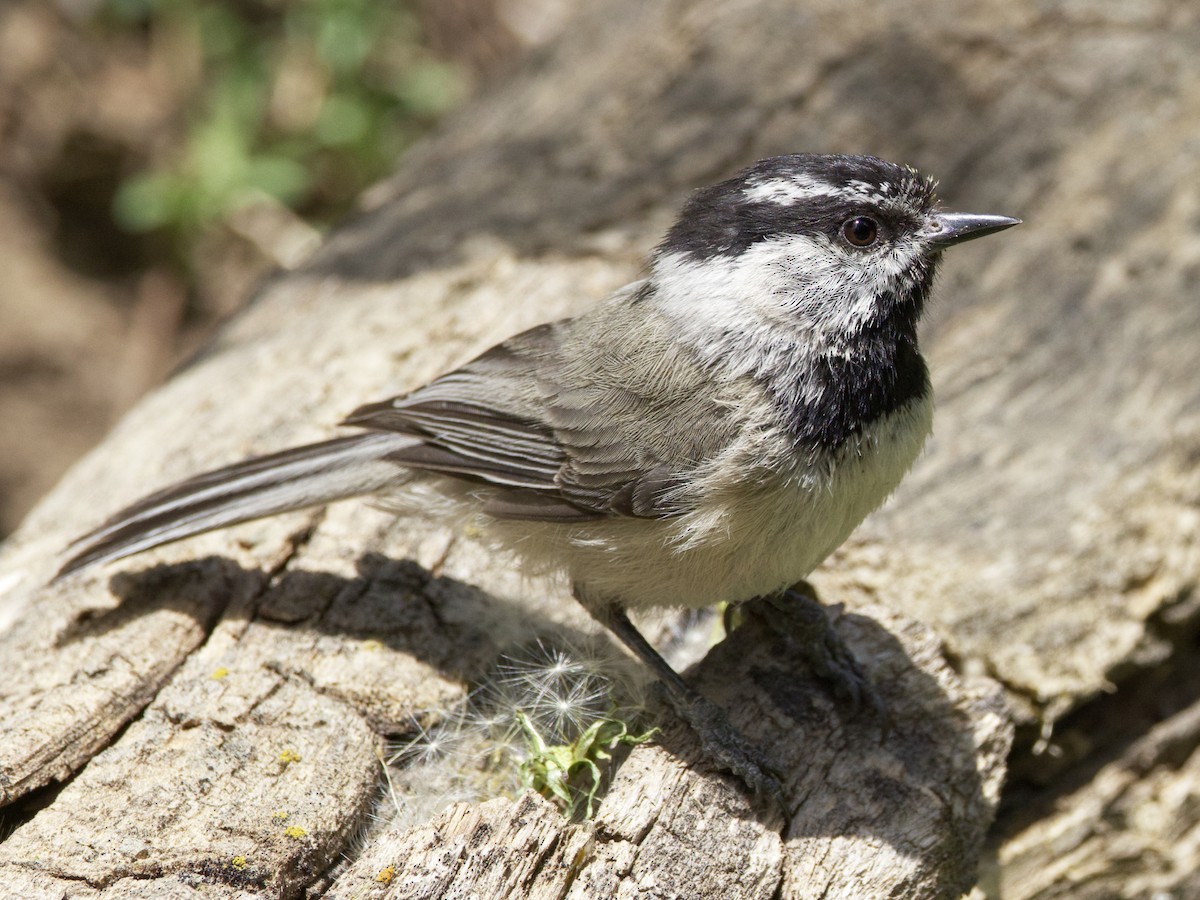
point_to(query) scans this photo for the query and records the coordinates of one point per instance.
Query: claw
(723, 745)
(802, 618)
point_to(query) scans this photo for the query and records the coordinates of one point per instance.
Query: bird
(708, 433)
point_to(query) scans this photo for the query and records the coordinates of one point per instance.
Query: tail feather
(292, 479)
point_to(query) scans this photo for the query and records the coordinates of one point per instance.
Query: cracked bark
(1049, 535)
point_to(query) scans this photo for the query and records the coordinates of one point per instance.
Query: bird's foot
(721, 742)
(800, 616)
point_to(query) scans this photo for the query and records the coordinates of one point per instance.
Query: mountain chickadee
(709, 433)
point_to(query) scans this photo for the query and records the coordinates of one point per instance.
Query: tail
(264, 486)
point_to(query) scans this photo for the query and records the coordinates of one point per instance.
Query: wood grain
(1048, 537)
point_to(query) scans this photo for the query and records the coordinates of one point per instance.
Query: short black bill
(954, 228)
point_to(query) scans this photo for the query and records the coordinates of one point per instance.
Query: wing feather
(567, 422)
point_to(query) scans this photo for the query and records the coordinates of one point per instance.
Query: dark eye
(861, 231)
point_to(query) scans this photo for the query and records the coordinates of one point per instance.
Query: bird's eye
(861, 231)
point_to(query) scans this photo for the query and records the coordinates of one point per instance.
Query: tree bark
(210, 718)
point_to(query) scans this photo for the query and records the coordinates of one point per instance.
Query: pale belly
(750, 541)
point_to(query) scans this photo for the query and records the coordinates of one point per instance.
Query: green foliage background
(305, 101)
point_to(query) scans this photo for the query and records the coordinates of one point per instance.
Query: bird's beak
(946, 228)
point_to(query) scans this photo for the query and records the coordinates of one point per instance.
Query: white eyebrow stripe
(788, 191)
(791, 190)
(867, 189)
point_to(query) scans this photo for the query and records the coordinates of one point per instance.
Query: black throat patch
(844, 396)
(839, 394)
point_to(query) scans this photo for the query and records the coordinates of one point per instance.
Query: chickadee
(709, 433)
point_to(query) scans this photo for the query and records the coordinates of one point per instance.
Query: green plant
(303, 101)
(569, 773)
(548, 717)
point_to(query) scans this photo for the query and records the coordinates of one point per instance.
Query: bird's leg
(723, 744)
(799, 615)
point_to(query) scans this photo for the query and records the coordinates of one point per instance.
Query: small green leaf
(283, 178)
(148, 201)
(430, 88)
(343, 121)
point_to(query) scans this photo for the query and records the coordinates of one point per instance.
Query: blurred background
(158, 158)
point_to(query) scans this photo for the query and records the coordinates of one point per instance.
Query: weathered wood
(902, 812)
(1128, 831)
(1050, 534)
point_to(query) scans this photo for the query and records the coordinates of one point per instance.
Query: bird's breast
(784, 528)
(749, 531)
(746, 539)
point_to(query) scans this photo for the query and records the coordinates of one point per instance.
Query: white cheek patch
(729, 310)
(750, 314)
(858, 300)
(893, 265)
(776, 292)
(760, 289)
(709, 296)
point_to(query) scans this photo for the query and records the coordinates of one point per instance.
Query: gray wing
(568, 421)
